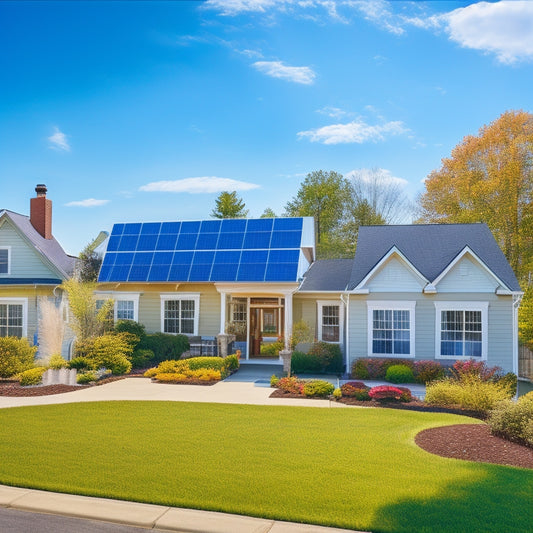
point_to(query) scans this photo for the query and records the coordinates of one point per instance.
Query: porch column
(222, 312)
(288, 320)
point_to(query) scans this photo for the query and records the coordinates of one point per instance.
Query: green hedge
(164, 346)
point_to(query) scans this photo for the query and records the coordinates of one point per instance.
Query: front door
(266, 326)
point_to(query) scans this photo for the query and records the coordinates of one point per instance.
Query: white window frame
(391, 306)
(121, 296)
(24, 303)
(462, 306)
(8, 248)
(182, 296)
(327, 303)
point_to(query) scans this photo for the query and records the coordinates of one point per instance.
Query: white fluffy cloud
(503, 28)
(356, 131)
(277, 69)
(58, 141)
(89, 202)
(208, 184)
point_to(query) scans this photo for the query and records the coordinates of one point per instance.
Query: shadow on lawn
(501, 500)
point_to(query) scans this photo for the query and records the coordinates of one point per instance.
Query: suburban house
(442, 292)
(32, 266)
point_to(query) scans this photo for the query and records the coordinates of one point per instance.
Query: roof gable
(430, 248)
(49, 251)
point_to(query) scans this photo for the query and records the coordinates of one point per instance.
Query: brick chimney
(41, 212)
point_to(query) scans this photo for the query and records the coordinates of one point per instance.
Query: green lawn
(352, 468)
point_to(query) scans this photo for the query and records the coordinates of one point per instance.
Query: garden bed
(13, 388)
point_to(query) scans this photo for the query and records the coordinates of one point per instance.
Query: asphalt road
(15, 521)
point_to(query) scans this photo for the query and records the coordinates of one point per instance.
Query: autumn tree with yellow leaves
(489, 178)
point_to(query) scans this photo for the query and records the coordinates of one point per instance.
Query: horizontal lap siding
(500, 323)
(25, 262)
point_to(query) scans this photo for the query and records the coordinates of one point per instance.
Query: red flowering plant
(385, 393)
(465, 370)
(355, 389)
(291, 384)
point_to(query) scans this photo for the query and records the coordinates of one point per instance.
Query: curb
(146, 515)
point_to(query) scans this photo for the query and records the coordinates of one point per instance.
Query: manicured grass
(352, 468)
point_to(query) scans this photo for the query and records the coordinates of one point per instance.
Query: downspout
(517, 299)
(346, 330)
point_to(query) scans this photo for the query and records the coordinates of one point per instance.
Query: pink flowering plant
(385, 393)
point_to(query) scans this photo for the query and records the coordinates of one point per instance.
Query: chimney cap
(41, 189)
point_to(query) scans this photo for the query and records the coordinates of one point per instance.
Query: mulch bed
(470, 442)
(13, 388)
(474, 442)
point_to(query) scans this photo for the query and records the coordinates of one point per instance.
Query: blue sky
(143, 111)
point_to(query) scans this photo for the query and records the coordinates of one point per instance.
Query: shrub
(201, 374)
(232, 362)
(385, 393)
(399, 374)
(16, 355)
(406, 394)
(87, 377)
(291, 384)
(509, 380)
(172, 366)
(318, 388)
(164, 345)
(274, 380)
(427, 371)
(470, 392)
(272, 349)
(329, 356)
(33, 376)
(473, 368)
(151, 373)
(513, 420)
(376, 368)
(337, 393)
(304, 362)
(111, 351)
(130, 326)
(79, 363)
(140, 358)
(56, 362)
(355, 389)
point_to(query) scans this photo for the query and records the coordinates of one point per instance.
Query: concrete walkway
(248, 391)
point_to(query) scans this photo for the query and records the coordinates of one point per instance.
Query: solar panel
(247, 250)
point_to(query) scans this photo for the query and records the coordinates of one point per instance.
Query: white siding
(395, 276)
(467, 276)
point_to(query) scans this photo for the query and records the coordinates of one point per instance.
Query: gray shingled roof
(430, 248)
(327, 275)
(50, 248)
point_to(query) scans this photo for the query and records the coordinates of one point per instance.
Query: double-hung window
(126, 305)
(13, 317)
(5, 253)
(329, 321)
(180, 313)
(391, 329)
(461, 329)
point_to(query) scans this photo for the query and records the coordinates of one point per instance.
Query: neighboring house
(442, 292)
(32, 265)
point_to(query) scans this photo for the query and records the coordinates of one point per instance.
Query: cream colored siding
(467, 276)
(25, 262)
(500, 324)
(150, 304)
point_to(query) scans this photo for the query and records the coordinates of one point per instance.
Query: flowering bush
(406, 394)
(465, 369)
(202, 374)
(337, 393)
(291, 384)
(385, 393)
(193, 368)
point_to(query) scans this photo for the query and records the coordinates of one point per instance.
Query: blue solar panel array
(266, 249)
